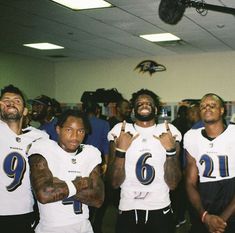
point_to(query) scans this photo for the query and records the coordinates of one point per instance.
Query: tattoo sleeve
(172, 173)
(116, 169)
(93, 195)
(46, 187)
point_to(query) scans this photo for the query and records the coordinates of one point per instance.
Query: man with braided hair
(146, 167)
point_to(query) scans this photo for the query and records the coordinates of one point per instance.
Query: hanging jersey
(15, 190)
(215, 158)
(144, 186)
(65, 166)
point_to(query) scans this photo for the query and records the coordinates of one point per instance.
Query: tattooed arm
(93, 195)
(116, 170)
(46, 187)
(172, 173)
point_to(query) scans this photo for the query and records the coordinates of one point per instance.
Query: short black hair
(90, 106)
(12, 89)
(222, 102)
(119, 103)
(155, 97)
(74, 113)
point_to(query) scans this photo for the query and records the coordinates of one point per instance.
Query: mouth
(144, 111)
(11, 109)
(74, 144)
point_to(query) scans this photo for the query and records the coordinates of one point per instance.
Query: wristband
(120, 154)
(120, 150)
(203, 216)
(71, 187)
(170, 153)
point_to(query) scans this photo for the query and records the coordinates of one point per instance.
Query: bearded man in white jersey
(17, 201)
(146, 167)
(210, 170)
(66, 177)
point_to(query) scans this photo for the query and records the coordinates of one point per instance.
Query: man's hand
(82, 183)
(167, 139)
(124, 140)
(214, 223)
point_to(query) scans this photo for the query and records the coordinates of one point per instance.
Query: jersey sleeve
(175, 132)
(93, 155)
(115, 131)
(189, 139)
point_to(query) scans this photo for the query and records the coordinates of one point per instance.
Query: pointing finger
(2, 103)
(167, 126)
(123, 126)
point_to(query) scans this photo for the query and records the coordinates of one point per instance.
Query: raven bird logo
(149, 66)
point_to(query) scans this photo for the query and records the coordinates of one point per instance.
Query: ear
(155, 110)
(57, 128)
(222, 111)
(25, 111)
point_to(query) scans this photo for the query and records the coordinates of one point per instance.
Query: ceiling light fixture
(160, 37)
(44, 46)
(83, 4)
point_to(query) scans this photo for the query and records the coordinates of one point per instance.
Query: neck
(215, 129)
(15, 126)
(145, 124)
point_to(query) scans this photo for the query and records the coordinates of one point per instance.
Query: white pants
(81, 227)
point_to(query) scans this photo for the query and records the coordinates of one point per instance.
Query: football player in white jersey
(66, 177)
(17, 201)
(146, 167)
(210, 170)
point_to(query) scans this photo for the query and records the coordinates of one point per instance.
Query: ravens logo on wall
(150, 67)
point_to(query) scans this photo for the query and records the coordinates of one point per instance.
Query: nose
(9, 103)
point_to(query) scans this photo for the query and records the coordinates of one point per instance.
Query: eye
(68, 130)
(17, 101)
(81, 131)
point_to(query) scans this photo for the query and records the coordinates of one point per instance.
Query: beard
(10, 116)
(148, 117)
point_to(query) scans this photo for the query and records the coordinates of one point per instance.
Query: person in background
(179, 196)
(194, 116)
(210, 169)
(56, 107)
(65, 177)
(123, 112)
(98, 138)
(17, 200)
(146, 166)
(43, 112)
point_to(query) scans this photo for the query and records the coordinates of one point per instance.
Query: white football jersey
(15, 190)
(215, 158)
(144, 186)
(65, 166)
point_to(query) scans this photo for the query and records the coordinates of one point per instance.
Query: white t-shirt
(65, 166)
(15, 189)
(144, 186)
(215, 158)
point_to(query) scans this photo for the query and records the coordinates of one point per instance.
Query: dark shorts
(17, 223)
(139, 221)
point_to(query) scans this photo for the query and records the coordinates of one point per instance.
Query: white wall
(188, 76)
(185, 77)
(32, 76)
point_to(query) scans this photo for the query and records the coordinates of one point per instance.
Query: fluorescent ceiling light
(44, 46)
(160, 37)
(83, 4)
